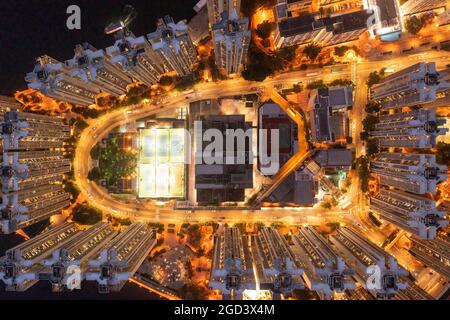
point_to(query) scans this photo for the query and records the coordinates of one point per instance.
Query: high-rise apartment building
(324, 269)
(52, 79)
(276, 266)
(216, 7)
(231, 41)
(414, 129)
(32, 169)
(120, 259)
(95, 68)
(416, 84)
(232, 267)
(415, 173)
(135, 56)
(433, 253)
(414, 214)
(366, 258)
(173, 46)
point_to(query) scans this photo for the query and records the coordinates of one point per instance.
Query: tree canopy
(312, 51)
(264, 29)
(116, 163)
(414, 24)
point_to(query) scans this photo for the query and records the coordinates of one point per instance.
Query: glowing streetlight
(350, 55)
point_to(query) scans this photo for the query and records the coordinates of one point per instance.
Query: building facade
(231, 41)
(95, 68)
(216, 7)
(413, 85)
(434, 254)
(362, 255)
(173, 46)
(412, 213)
(135, 56)
(414, 129)
(33, 168)
(52, 79)
(276, 266)
(232, 266)
(415, 173)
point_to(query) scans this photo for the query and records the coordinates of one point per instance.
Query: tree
(94, 174)
(363, 172)
(265, 29)
(364, 135)
(372, 107)
(86, 215)
(445, 46)
(414, 25)
(116, 163)
(316, 85)
(340, 51)
(372, 147)
(443, 154)
(374, 78)
(95, 153)
(248, 7)
(166, 81)
(287, 54)
(369, 122)
(259, 65)
(340, 82)
(326, 205)
(312, 51)
(70, 187)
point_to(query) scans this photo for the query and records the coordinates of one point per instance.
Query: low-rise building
(225, 181)
(328, 117)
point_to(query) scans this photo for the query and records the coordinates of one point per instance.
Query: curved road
(99, 128)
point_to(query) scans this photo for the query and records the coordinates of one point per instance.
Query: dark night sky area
(30, 28)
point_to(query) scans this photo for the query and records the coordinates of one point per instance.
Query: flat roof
(388, 9)
(161, 167)
(348, 22)
(334, 157)
(293, 26)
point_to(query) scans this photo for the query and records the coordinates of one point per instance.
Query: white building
(232, 267)
(325, 270)
(413, 85)
(416, 173)
(135, 56)
(414, 129)
(52, 79)
(32, 169)
(93, 67)
(231, 41)
(173, 46)
(388, 20)
(276, 266)
(364, 256)
(414, 214)
(216, 7)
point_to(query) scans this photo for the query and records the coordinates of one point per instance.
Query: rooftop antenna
(120, 28)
